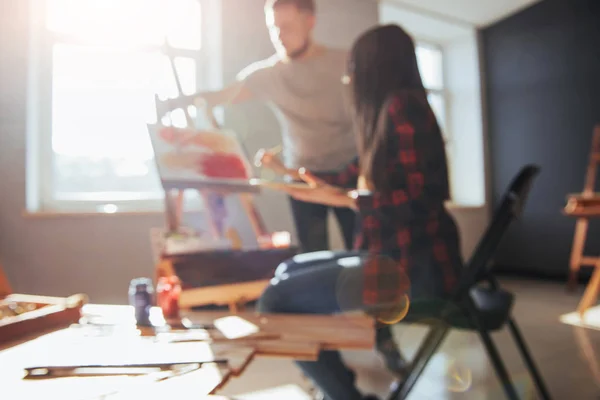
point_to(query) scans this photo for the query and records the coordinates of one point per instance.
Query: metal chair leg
(430, 344)
(501, 371)
(537, 377)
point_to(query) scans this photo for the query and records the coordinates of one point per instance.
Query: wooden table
(114, 339)
(121, 343)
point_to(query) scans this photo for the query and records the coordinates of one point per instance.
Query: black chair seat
(494, 307)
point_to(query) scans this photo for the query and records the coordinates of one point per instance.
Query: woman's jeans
(320, 283)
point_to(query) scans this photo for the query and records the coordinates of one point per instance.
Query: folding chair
(474, 306)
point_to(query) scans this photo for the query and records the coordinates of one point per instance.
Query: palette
(24, 315)
(279, 185)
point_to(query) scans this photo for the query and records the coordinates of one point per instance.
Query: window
(99, 64)
(430, 60)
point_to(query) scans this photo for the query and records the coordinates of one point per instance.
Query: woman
(408, 244)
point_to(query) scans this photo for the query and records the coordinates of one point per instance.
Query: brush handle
(48, 370)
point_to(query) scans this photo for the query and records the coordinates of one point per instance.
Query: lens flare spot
(459, 377)
(396, 313)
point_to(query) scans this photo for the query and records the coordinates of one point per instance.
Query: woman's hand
(269, 158)
(321, 192)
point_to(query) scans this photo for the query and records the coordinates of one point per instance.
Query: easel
(213, 195)
(5, 288)
(584, 206)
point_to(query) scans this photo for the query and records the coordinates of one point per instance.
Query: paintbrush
(273, 151)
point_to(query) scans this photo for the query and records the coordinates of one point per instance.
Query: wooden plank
(222, 294)
(304, 351)
(268, 321)
(351, 331)
(291, 336)
(345, 331)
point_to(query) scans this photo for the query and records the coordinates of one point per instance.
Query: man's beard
(300, 52)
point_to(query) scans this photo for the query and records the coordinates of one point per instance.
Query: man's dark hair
(302, 5)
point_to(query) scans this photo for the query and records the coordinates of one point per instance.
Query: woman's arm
(346, 178)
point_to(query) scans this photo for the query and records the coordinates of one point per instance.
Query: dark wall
(542, 70)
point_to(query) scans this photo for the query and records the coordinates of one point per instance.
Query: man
(303, 80)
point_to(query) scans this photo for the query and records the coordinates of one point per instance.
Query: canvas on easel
(188, 158)
(211, 162)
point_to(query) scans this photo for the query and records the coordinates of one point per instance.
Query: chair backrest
(510, 208)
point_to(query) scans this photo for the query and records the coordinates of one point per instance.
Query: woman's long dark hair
(382, 63)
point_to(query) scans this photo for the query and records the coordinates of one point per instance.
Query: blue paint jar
(141, 292)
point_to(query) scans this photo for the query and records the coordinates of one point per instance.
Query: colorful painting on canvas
(192, 157)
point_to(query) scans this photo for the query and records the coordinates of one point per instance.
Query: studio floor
(567, 356)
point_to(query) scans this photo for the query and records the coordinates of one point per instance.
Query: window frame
(447, 109)
(40, 155)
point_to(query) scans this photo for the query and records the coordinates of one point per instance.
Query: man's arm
(235, 93)
(253, 82)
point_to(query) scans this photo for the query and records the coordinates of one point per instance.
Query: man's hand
(232, 94)
(164, 107)
(321, 192)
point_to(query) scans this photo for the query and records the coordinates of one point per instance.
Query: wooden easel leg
(590, 296)
(581, 229)
(164, 269)
(258, 225)
(237, 306)
(173, 210)
(5, 288)
(215, 215)
(179, 207)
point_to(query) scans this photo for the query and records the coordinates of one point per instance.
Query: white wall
(422, 26)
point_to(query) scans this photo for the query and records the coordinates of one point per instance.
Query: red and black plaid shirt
(407, 225)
